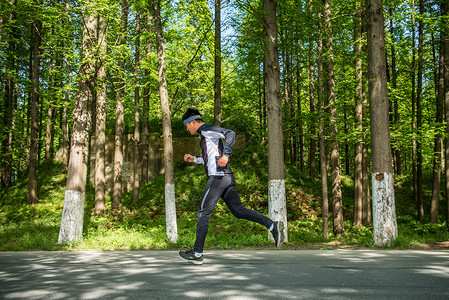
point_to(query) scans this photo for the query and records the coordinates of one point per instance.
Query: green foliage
(141, 225)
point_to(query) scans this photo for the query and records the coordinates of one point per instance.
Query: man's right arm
(195, 159)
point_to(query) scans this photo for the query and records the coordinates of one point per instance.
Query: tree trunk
(48, 133)
(313, 120)
(73, 211)
(312, 159)
(384, 211)
(288, 145)
(137, 161)
(65, 134)
(145, 107)
(437, 167)
(32, 169)
(396, 151)
(49, 119)
(300, 122)
(366, 199)
(445, 38)
(65, 124)
(321, 135)
(170, 206)
(6, 112)
(358, 119)
(276, 176)
(100, 128)
(119, 112)
(346, 132)
(335, 155)
(413, 96)
(419, 92)
(217, 84)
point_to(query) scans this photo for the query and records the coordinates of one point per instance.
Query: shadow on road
(339, 274)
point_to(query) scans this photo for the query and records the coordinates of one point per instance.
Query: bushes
(141, 225)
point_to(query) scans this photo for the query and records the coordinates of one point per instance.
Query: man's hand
(222, 161)
(189, 158)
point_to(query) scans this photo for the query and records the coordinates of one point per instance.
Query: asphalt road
(268, 274)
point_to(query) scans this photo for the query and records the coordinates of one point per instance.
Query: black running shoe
(278, 233)
(190, 256)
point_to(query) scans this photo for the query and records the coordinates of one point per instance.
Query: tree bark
(276, 175)
(217, 84)
(366, 199)
(413, 100)
(145, 105)
(65, 124)
(313, 133)
(396, 151)
(119, 112)
(445, 39)
(321, 135)
(137, 161)
(358, 119)
(65, 134)
(100, 128)
(338, 228)
(384, 211)
(438, 142)
(419, 92)
(32, 169)
(49, 119)
(170, 206)
(312, 152)
(73, 210)
(300, 122)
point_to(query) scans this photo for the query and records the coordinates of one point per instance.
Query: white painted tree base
(170, 213)
(71, 229)
(277, 207)
(384, 209)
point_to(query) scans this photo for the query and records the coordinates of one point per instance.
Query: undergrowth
(141, 225)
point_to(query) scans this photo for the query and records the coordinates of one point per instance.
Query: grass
(141, 225)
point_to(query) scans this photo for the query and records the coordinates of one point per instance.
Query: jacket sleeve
(198, 160)
(229, 141)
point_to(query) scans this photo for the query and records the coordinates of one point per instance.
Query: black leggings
(224, 187)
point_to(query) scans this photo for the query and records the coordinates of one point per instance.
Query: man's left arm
(229, 141)
(227, 149)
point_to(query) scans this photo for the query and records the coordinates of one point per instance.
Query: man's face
(191, 128)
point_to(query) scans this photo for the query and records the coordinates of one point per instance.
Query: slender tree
(384, 211)
(145, 104)
(394, 85)
(419, 96)
(137, 161)
(366, 199)
(321, 135)
(170, 207)
(217, 84)
(438, 142)
(34, 100)
(445, 38)
(49, 118)
(337, 204)
(358, 118)
(100, 128)
(276, 175)
(413, 100)
(313, 133)
(119, 111)
(65, 124)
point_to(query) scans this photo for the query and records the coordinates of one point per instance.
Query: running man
(221, 183)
